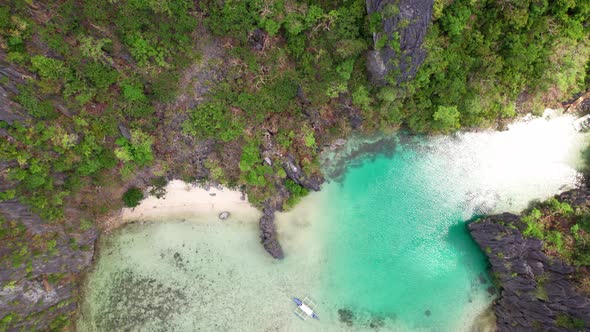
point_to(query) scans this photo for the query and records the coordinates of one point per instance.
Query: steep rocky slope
(398, 42)
(539, 291)
(40, 265)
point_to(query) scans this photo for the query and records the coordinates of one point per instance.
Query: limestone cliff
(538, 290)
(398, 41)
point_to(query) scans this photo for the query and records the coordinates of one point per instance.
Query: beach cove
(382, 247)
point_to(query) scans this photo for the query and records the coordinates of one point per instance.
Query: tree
(446, 118)
(132, 197)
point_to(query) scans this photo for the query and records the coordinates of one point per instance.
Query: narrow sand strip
(184, 200)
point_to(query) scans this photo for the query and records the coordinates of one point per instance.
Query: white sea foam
(503, 171)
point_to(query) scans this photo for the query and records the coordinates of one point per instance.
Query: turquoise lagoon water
(383, 247)
(399, 250)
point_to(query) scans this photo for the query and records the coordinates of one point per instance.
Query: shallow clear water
(386, 244)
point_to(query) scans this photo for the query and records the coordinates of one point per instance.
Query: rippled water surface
(384, 248)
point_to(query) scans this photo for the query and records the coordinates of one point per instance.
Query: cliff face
(398, 44)
(40, 265)
(538, 292)
(40, 261)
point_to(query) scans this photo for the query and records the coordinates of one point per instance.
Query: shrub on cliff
(296, 192)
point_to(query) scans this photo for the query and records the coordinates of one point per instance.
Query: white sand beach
(184, 200)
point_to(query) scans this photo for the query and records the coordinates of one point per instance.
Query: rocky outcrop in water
(404, 26)
(268, 233)
(537, 293)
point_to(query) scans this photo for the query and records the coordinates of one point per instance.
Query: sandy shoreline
(187, 201)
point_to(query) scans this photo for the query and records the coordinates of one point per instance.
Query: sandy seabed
(184, 269)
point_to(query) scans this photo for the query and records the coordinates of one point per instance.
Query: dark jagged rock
(124, 131)
(410, 20)
(268, 233)
(44, 286)
(39, 265)
(535, 289)
(9, 110)
(295, 173)
(256, 39)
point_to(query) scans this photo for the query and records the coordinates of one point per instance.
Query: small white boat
(305, 308)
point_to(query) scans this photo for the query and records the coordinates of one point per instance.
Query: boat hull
(305, 309)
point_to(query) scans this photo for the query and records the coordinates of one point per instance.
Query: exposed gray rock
(295, 173)
(408, 19)
(257, 39)
(9, 110)
(42, 284)
(535, 289)
(124, 131)
(268, 235)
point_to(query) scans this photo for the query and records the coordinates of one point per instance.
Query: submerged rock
(535, 290)
(135, 299)
(346, 316)
(404, 23)
(377, 322)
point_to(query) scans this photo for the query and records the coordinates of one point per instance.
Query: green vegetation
(487, 58)
(132, 197)
(60, 323)
(287, 68)
(534, 228)
(296, 192)
(79, 89)
(158, 188)
(309, 53)
(566, 321)
(255, 173)
(212, 120)
(6, 320)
